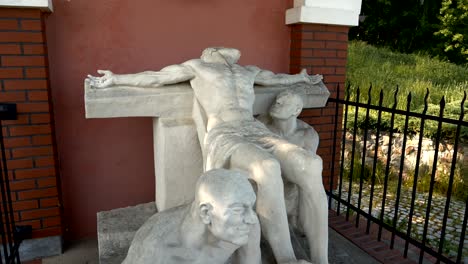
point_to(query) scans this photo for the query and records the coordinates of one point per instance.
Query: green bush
(454, 29)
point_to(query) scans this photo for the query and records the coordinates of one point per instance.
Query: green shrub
(454, 30)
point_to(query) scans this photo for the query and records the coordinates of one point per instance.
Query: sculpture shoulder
(193, 62)
(156, 237)
(309, 135)
(265, 119)
(160, 225)
(253, 68)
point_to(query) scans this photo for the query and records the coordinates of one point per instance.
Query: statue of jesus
(234, 139)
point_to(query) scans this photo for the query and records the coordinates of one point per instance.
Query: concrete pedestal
(117, 227)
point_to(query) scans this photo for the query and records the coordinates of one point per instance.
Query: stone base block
(40, 248)
(178, 161)
(116, 229)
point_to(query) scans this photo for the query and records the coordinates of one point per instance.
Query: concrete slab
(79, 252)
(40, 248)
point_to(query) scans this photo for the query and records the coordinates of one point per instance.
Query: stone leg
(264, 169)
(305, 169)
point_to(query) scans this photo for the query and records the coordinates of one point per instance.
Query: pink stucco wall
(108, 163)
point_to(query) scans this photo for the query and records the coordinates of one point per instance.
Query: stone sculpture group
(281, 150)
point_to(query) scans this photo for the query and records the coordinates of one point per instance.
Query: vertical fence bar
(465, 219)
(452, 175)
(387, 166)
(374, 167)
(364, 152)
(463, 233)
(6, 199)
(353, 152)
(343, 147)
(432, 183)
(416, 174)
(335, 135)
(3, 232)
(402, 167)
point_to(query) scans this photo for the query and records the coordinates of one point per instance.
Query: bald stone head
(224, 200)
(288, 104)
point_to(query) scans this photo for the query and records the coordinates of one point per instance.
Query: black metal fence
(393, 178)
(10, 234)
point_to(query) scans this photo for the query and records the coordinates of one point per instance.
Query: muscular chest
(229, 75)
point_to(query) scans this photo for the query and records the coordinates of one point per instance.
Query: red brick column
(29, 141)
(322, 49)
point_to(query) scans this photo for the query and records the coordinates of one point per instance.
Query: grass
(384, 69)
(412, 74)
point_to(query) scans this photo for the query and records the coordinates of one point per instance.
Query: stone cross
(178, 158)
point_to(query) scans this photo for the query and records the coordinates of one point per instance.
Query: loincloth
(224, 139)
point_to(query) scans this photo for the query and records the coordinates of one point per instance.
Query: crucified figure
(234, 139)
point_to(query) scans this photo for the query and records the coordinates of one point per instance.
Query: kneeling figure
(219, 223)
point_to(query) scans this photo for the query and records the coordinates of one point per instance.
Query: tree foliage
(401, 25)
(435, 27)
(454, 30)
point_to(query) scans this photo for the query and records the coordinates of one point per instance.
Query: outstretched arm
(168, 75)
(266, 78)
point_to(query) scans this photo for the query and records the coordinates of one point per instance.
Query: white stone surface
(232, 138)
(340, 249)
(219, 223)
(116, 229)
(176, 100)
(45, 5)
(332, 12)
(177, 160)
(282, 120)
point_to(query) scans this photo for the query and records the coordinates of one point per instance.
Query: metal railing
(375, 181)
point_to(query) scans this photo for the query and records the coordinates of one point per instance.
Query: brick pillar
(30, 141)
(322, 49)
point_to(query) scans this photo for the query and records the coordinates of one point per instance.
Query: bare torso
(224, 91)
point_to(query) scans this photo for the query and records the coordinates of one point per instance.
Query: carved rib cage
(403, 171)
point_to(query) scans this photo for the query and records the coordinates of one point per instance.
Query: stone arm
(268, 78)
(168, 75)
(311, 140)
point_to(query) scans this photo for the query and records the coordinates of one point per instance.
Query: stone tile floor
(86, 252)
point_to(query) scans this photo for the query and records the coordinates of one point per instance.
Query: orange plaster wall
(108, 163)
